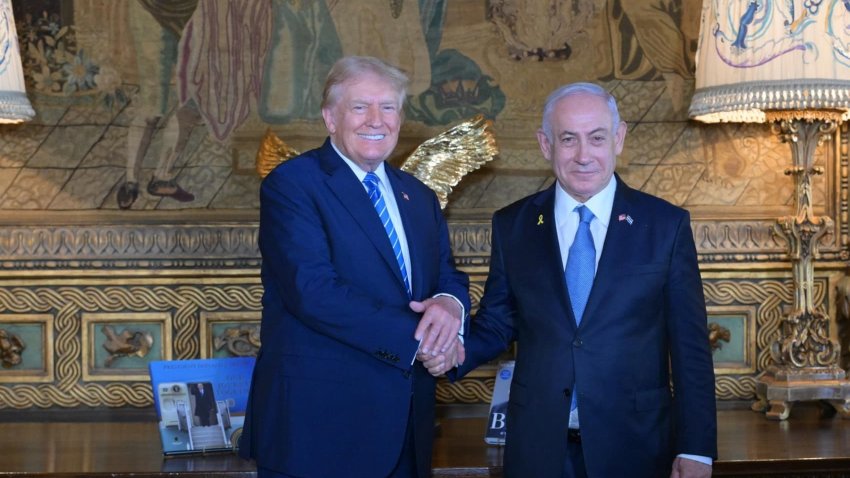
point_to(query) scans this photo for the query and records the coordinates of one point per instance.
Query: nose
(373, 116)
(582, 156)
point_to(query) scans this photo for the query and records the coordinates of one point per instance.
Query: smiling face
(364, 120)
(584, 144)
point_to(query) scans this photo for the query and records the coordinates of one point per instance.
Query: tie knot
(371, 180)
(584, 213)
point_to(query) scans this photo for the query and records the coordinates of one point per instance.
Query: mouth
(372, 137)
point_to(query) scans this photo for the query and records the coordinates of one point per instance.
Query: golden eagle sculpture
(272, 152)
(440, 162)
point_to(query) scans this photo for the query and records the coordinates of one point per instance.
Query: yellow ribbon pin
(540, 219)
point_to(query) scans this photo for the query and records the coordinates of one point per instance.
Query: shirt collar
(600, 204)
(361, 175)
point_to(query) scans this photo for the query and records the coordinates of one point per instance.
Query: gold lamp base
(778, 388)
(805, 357)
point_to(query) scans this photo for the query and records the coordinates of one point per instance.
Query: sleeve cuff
(702, 459)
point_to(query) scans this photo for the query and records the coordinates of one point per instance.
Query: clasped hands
(437, 333)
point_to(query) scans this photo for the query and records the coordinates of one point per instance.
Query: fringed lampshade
(758, 57)
(14, 105)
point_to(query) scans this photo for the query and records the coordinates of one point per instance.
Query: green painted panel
(733, 351)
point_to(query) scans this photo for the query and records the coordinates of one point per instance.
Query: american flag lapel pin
(627, 218)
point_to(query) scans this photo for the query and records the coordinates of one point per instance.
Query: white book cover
(495, 434)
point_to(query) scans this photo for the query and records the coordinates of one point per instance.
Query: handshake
(440, 349)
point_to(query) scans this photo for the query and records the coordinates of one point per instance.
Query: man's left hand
(442, 363)
(685, 468)
(439, 325)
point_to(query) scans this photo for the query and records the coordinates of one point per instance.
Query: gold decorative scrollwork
(804, 340)
(734, 388)
(67, 302)
(468, 390)
(133, 243)
(769, 297)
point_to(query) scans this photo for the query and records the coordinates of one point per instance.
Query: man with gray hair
(358, 276)
(598, 284)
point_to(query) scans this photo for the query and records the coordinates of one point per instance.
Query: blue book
(200, 404)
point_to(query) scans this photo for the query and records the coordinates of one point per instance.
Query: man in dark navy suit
(598, 284)
(204, 404)
(358, 276)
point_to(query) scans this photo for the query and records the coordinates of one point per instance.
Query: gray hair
(575, 89)
(350, 67)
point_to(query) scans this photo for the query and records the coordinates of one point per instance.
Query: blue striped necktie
(581, 267)
(371, 181)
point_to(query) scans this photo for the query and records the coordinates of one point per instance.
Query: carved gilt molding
(181, 301)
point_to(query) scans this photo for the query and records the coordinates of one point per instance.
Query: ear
(620, 137)
(545, 145)
(328, 116)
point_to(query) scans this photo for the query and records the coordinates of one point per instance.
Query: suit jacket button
(577, 343)
(567, 393)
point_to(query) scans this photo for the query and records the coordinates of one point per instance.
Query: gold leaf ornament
(272, 152)
(440, 162)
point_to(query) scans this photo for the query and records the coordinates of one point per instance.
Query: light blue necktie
(371, 182)
(581, 265)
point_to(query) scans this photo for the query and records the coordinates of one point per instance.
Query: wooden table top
(748, 444)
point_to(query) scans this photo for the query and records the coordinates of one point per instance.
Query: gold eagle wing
(272, 152)
(442, 161)
(439, 162)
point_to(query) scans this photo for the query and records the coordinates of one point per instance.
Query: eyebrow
(573, 133)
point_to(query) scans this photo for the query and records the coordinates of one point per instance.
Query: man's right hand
(439, 325)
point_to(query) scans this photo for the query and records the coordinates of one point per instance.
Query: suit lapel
(352, 195)
(545, 253)
(619, 232)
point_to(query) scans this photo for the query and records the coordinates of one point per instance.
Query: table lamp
(788, 64)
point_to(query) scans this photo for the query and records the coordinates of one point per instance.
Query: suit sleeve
(690, 354)
(297, 257)
(491, 330)
(451, 282)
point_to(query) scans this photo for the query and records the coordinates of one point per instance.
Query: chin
(376, 158)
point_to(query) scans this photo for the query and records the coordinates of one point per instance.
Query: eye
(568, 140)
(598, 139)
(389, 108)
